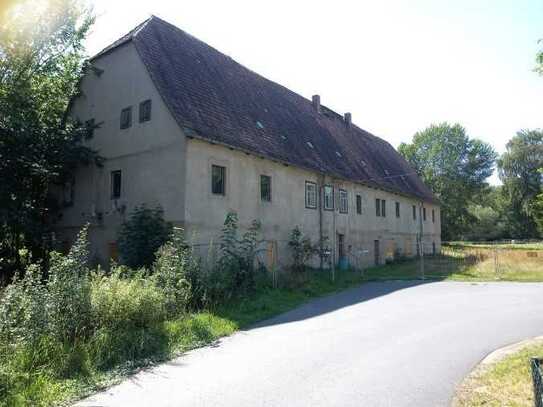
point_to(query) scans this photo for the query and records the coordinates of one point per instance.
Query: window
(218, 180)
(424, 214)
(265, 188)
(433, 216)
(377, 207)
(328, 198)
(414, 212)
(310, 195)
(343, 201)
(397, 209)
(90, 126)
(359, 204)
(145, 111)
(116, 177)
(126, 118)
(383, 208)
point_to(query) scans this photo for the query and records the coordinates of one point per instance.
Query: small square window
(218, 180)
(126, 117)
(359, 204)
(116, 179)
(145, 111)
(265, 188)
(343, 201)
(328, 198)
(310, 195)
(397, 209)
(377, 207)
(383, 208)
(414, 212)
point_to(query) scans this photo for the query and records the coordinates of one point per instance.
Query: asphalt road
(382, 344)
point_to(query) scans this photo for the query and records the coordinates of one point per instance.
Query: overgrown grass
(468, 263)
(50, 372)
(507, 382)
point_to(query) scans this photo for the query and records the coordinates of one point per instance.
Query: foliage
(519, 170)
(142, 235)
(455, 167)
(41, 63)
(302, 249)
(236, 265)
(539, 62)
(174, 263)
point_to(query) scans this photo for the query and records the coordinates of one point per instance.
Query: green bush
(125, 302)
(302, 249)
(142, 235)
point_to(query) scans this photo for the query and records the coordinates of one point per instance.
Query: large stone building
(183, 126)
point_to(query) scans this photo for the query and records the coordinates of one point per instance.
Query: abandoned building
(186, 127)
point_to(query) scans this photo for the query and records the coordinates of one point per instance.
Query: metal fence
(537, 381)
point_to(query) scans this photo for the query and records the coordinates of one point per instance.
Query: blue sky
(397, 65)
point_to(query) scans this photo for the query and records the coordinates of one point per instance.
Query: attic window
(259, 125)
(309, 144)
(338, 154)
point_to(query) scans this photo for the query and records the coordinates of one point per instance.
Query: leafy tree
(302, 249)
(518, 168)
(142, 235)
(455, 167)
(41, 63)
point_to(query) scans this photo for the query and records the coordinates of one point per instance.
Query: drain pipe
(321, 235)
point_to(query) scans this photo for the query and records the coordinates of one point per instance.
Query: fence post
(536, 380)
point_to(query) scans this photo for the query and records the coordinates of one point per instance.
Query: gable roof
(214, 98)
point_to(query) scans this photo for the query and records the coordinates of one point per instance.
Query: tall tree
(519, 169)
(41, 63)
(455, 167)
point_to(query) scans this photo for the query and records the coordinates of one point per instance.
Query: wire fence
(537, 381)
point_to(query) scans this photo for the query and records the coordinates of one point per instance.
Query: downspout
(321, 235)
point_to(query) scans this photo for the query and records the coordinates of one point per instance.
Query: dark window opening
(377, 207)
(126, 118)
(265, 188)
(424, 214)
(359, 204)
(414, 212)
(383, 208)
(116, 179)
(397, 209)
(145, 111)
(218, 180)
(433, 216)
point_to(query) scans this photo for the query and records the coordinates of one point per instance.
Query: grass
(110, 355)
(468, 263)
(507, 382)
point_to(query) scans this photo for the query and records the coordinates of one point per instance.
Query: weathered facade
(185, 127)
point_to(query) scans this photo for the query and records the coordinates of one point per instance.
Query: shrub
(174, 262)
(302, 249)
(142, 235)
(125, 302)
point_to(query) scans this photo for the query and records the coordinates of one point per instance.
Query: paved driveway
(383, 344)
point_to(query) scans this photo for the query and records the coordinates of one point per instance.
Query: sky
(396, 65)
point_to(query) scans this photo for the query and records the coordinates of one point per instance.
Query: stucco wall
(205, 212)
(149, 154)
